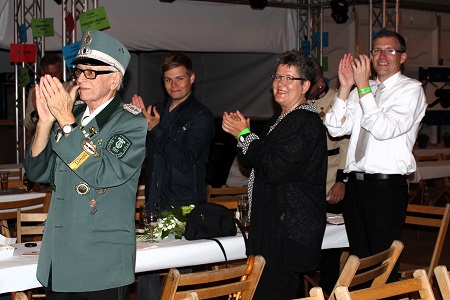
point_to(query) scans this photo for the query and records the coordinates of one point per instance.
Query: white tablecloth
(21, 196)
(431, 151)
(430, 169)
(18, 273)
(12, 168)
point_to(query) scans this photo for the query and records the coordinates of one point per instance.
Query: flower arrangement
(172, 222)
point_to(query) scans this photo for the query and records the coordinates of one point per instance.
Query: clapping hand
(361, 70)
(152, 120)
(234, 123)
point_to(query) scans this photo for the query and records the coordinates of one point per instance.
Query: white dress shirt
(87, 116)
(393, 124)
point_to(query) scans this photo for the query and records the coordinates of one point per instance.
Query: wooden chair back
(8, 210)
(418, 284)
(427, 216)
(191, 295)
(30, 224)
(241, 279)
(443, 279)
(140, 201)
(315, 293)
(226, 196)
(375, 268)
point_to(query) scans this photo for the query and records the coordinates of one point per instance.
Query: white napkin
(7, 241)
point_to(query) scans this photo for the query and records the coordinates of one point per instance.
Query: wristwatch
(69, 128)
(242, 137)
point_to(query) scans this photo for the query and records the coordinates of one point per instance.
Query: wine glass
(243, 212)
(152, 214)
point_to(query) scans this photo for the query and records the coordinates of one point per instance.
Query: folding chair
(375, 268)
(427, 216)
(24, 219)
(443, 279)
(240, 280)
(419, 283)
(226, 196)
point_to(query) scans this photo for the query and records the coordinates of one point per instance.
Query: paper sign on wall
(42, 27)
(70, 22)
(24, 77)
(70, 52)
(94, 19)
(22, 53)
(23, 33)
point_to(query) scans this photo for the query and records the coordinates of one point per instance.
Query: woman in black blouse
(287, 183)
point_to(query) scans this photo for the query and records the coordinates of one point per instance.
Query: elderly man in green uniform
(92, 155)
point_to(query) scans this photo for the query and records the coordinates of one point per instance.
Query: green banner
(94, 19)
(42, 27)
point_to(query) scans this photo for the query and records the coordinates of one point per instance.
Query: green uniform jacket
(90, 245)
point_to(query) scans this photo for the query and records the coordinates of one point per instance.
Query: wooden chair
(226, 196)
(315, 293)
(8, 210)
(241, 279)
(375, 268)
(191, 295)
(37, 227)
(419, 284)
(427, 216)
(443, 279)
(20, 296)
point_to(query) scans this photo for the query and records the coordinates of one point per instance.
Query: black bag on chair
(209, 220)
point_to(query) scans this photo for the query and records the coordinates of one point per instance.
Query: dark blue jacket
(177, 155)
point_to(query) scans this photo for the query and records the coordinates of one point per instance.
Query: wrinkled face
(289, 93)
(178, 83)
(386, 64)
(54, 70)
(99, 90)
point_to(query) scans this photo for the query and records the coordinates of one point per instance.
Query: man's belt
(365, 176)
(333, 152)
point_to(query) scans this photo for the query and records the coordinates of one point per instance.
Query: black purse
(210, 221)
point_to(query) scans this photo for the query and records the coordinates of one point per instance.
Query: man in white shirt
(383, 128)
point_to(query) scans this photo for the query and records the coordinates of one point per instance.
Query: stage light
(339, 10)
(58, 2)
(258, 4)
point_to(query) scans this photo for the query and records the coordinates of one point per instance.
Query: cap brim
(88, 61)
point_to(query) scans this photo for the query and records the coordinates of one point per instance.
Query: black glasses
(287, 78)
(89, 74)
(385, 51)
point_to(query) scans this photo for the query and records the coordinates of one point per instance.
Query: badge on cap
(88, 38)
(82, 188)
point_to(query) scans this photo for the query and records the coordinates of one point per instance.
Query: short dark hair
(393, 34)
(303, 63)
(318, 72)
(50, 59)
(175, 60)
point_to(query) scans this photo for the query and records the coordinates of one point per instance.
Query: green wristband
(245, 131)
(367, 89)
